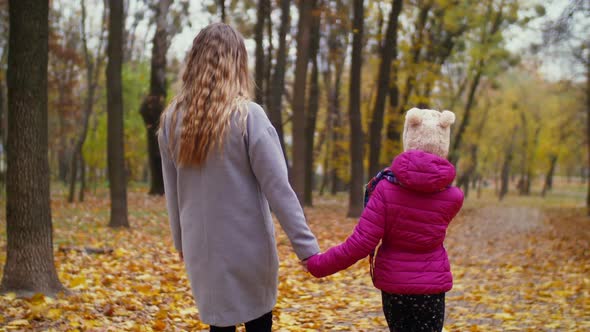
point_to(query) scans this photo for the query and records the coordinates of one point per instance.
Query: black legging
(260, 324)
(413, 313)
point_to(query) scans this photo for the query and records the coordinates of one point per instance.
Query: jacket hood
(424, 172)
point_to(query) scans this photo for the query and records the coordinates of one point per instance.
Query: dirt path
(517, 269)
(491, 232)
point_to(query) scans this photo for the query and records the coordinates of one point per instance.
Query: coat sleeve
(365, 238)
(270, 169)
(170, 188)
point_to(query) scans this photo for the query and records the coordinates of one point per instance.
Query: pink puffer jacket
(411, 219)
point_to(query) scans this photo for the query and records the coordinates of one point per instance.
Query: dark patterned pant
(260, 324)
(412, 313)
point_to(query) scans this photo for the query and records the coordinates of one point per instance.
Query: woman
(223, 165)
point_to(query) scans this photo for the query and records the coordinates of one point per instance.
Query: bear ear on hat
(413, 117)
(447, 118)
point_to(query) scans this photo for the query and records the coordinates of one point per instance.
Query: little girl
(410, 216)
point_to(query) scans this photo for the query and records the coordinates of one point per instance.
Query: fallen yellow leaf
(19, 322)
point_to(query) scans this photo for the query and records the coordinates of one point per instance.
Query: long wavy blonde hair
(215, 85)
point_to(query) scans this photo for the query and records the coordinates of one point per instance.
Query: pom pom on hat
(447, 118)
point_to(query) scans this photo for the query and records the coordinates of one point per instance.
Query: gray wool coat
(220, 219)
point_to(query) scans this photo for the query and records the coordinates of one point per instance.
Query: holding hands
(304, 263)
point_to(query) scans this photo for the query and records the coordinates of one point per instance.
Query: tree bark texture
(29, 266)
(336, 137)
(82, 178)
(154, 103)
(588, 126)
(2, 135)
(548, 185)
(277, 87)
(327, 75)
(388, 53)
(2, 114)
(337, 56)
(336, 118)
(454, 154)
(312, 107)
(268, 58)
(221, 4)
(299, 90)
(508, 157)
(259, 72)
(355, 204)
(115, 146)
(523, 181)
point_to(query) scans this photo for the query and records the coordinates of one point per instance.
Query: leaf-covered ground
(518, 266)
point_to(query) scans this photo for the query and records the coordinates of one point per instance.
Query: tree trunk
(2, 138)
(73, 175)
(531, 161)
(468, 175)
(92, 68)
(416, 47)
(312, 107)
(277, 86)
(336, 60)
(549, 176)
(355, 204)
(62, 158)
(82, 178)
(335, 110)
(388, 53)
(479, 186)
(221, 4)
(440, 45)
(326, 165)
(505, 176)
(522, 182)
(154, 103)
(458, 139)
(328, 130)
(299, 90)
(399, 99)
(268, 57)
(454, 155)
(115, 146)
(588, 126)
(29, 267)
(2, 114)
(259, 39)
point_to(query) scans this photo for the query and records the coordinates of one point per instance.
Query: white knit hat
(428, 131)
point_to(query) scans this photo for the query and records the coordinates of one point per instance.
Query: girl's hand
(303, 264)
